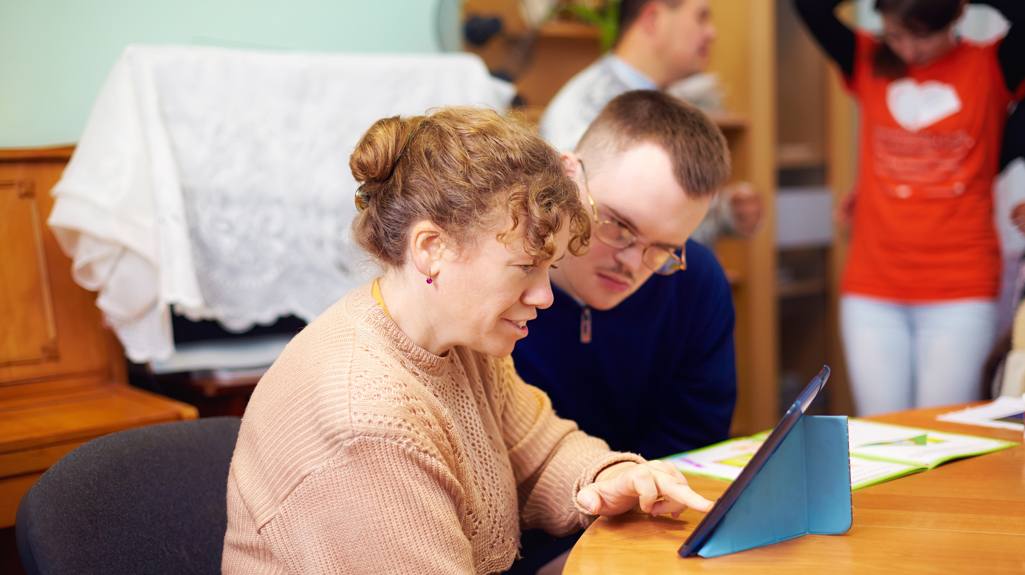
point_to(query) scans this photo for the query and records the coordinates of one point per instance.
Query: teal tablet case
(804, 487)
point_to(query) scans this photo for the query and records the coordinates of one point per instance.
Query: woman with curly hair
(393, 435)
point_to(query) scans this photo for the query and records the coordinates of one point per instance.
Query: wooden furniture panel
(26, 304)
(80, 346)
(743, 58)
(966, 516)
(12, 489)
(802, 93)
(559, 52)
(62, 374)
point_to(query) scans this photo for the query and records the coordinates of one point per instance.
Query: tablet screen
(715, 516)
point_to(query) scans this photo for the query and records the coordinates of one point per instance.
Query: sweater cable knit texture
(361, 452)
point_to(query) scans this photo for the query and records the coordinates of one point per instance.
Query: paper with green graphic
(879, 452)
(913, 446)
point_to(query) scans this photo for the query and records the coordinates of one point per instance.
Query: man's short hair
(630, 10)
(696, 146)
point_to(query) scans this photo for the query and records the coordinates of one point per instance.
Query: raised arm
(1011, 52)
(832, 35)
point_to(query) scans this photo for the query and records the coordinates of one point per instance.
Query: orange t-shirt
(929, 147)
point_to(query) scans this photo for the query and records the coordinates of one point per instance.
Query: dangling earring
(430, 281)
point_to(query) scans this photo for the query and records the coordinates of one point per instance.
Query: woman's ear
(572, 164)
(426, 247)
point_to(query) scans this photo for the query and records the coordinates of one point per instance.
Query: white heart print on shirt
(916, 106)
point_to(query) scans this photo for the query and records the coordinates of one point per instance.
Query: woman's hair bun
(465, 170)
(380, 149)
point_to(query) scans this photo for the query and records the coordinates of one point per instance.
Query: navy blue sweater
(659, 376)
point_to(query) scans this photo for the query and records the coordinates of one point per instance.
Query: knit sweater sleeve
(382, 506)
(551, 458)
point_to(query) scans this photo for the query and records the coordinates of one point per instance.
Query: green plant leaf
(605, 18)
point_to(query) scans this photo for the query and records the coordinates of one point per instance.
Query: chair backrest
(147, 500)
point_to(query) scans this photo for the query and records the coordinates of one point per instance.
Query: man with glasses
(637, 346)
(659, 43)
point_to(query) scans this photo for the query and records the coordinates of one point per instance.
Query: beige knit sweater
(361, 452)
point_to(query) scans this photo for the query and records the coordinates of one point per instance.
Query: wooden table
(967, 516)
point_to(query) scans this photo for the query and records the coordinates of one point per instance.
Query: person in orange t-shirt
(918, 304)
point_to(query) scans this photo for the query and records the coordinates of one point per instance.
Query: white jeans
(903, 356)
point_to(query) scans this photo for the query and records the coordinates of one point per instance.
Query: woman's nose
(907, 52)
(540, 294)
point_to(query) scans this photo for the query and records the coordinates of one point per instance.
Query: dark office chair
(149, 500)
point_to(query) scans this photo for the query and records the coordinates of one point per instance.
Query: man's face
(636, 188)
(684, 37)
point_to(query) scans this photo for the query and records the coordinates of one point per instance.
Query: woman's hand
(657, 486)
(1018, 217)
(745, 207)
(844, 213)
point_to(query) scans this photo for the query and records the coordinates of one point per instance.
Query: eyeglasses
(616, 234)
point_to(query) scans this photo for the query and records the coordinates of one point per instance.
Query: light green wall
(55, 54)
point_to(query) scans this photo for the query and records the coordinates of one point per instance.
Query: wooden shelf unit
(816, 134)
(569, 29)
(742, 58)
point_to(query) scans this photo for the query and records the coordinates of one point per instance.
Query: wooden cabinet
(62, 374)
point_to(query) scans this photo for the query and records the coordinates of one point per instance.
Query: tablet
(722, 506)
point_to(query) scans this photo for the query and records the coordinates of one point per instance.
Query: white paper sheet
(1004, 412)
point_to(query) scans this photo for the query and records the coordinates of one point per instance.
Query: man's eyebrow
(670, 247)
(630, 226)
(623, 220)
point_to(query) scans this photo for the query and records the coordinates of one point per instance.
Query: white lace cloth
(217, 180)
